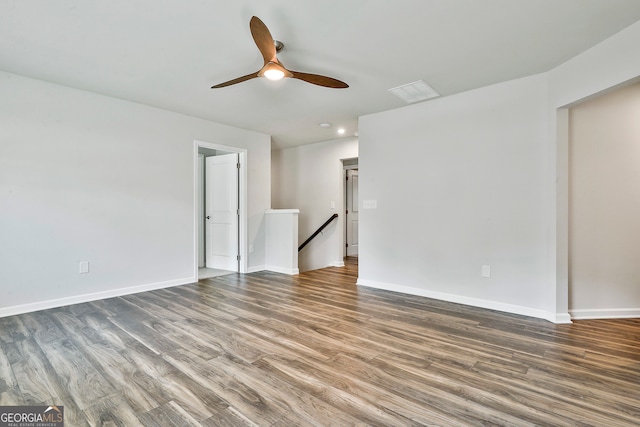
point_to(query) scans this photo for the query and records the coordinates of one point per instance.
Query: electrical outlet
(486, 271)
(83, 267)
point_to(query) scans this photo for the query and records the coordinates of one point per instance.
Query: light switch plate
(369, 204)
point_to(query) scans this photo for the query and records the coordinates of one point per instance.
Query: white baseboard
(609, 313)
(474, 302)
(78, 299)
(337, 264)
(255, 269)
(283, 270)
(561, 319)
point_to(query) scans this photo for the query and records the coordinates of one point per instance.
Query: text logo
(31, 416)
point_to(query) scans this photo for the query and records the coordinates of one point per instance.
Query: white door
(201, 220)
(221, 212)
(352, 212)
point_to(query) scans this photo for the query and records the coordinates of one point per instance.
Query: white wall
(419, 146)
(309, 178)
(604, 219)
(459, 183)
(612, 63)
(606, 65)
(85, 177)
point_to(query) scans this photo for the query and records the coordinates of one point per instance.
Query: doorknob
(208, 217)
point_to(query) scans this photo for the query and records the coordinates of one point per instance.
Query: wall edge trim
(474, 302)
(282, 270)
(605, 313)
(94, 296)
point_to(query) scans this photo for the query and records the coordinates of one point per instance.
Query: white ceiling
(168, 53)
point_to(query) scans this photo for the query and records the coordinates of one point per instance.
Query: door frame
(346, 203)
(242, 201)
(343, 175)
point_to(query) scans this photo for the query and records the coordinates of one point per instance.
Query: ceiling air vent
(414, 92)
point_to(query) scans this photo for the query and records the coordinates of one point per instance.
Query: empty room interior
(296, 213)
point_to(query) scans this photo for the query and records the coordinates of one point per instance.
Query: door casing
(351, 206)
(242, 186)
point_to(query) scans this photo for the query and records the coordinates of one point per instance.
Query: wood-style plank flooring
(272, 350)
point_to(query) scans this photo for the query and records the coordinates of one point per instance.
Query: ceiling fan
(273, 68)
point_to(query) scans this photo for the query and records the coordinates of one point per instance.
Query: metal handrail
(318, 231)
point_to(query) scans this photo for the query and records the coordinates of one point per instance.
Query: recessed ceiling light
(341, 131)
(414, 92)
(325, 125)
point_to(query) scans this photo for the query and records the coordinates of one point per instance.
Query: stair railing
(318, 231)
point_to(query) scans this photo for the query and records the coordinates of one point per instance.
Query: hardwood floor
(273, 350)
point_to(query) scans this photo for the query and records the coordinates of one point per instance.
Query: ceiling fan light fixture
(274, 71)
(274, 74)
(273, 68)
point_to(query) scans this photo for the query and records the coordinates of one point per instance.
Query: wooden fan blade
(319, 80)
(238, 80)
(263, 39)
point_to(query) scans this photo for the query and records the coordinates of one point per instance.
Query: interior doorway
(220, 213)
(604, 205)
(351, 203)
